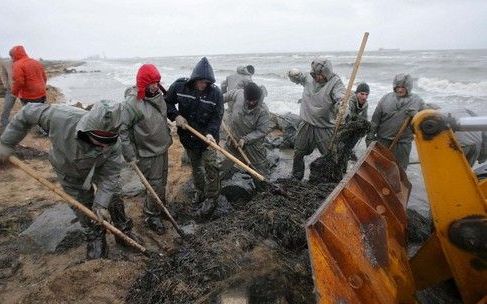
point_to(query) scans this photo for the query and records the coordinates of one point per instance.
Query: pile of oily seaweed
(331, 167)
(260, 246)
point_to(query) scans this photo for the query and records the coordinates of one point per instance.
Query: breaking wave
(443, 86)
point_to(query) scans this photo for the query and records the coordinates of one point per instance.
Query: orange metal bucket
(357, 238)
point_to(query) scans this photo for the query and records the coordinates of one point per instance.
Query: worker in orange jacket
(28, 77)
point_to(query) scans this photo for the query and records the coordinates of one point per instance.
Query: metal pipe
(478, 123)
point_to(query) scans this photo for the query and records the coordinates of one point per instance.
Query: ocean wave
(224, 71)
(443, 86)
(271, 75)
(365, 64)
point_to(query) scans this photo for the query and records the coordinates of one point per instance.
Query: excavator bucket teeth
(357, 238)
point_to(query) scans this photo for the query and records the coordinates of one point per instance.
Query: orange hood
(18, 52)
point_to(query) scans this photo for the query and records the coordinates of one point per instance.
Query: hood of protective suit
(104, 116)
(322, 66)
(147, 74)
(260, 101)
(203, 70)
(246, 70)
(18, 52)
(404, 80)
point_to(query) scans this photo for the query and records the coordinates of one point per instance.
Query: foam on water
(446, 87)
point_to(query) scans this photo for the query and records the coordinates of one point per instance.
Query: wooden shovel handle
(24, 167)
(225, 152)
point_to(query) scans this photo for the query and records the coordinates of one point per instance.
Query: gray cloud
(75, 29)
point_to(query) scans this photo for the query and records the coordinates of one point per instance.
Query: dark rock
(288, 124)
(55, 230)
(240, 187)
(442, 293)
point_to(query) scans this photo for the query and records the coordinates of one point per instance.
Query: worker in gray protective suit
(249, 124)
(358, 104)
(323, 91)
(85, 152)
(239, 79)
(358, 107)
(392, 110)
(146, 138)
(474, 145)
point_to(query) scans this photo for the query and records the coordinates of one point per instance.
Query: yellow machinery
(357, 238)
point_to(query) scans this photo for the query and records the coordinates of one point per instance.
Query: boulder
(240, 187)
(288, 124)
(55, 230)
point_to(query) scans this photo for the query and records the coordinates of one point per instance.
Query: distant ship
(388, 50)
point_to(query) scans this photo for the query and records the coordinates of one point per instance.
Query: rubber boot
(198, 198)
(96, 247)
(207, 208)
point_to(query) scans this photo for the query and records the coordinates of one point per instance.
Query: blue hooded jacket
(203, 110)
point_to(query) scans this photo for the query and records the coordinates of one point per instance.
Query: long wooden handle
(225, 152)
(344, 101)
(157, 198)
(399, 133)
(235, 143)
(14, 160)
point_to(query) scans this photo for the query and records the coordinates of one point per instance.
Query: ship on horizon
(388, 50)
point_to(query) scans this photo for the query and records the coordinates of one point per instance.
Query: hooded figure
(391, 112)
(28, 77)
(322, 93)
(249, 123)
(145, 137)
(239, 79)
(85, 152)
(200, 105)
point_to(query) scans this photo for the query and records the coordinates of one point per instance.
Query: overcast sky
(57, 29)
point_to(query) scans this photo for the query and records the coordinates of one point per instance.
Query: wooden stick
(157, 198)
(348, 93)
(399, 133)
(225, 152)
(14, 160)
(235, 143)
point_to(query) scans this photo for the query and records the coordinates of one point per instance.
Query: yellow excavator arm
(357, 238)
(458, 248)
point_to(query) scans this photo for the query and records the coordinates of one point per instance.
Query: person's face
(318, 77)
(153, 88)
(252, 103)
(401, 91)
(201, 85)
(99, 144)
(362, 97)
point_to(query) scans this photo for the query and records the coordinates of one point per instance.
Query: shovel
(235, 144)
(399, 133)
(275, 189)
(157, 198)
(116, 232)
